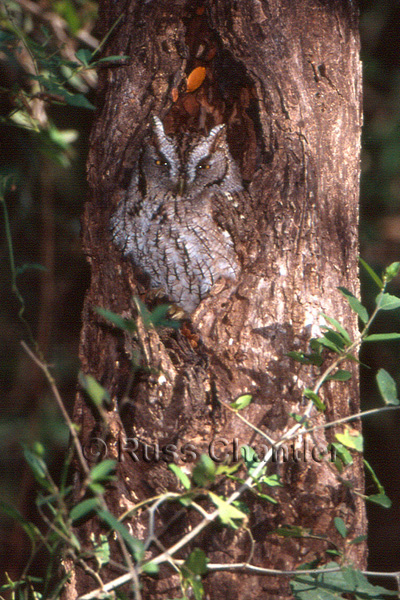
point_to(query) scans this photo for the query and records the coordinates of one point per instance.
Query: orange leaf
(211, 53)
(195, 79)
(174, 94)
(191, 105)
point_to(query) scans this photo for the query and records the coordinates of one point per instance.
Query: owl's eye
(203, 164)
(161, 163)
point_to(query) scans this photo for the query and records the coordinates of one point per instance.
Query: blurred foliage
(380, 182)
(46, 95)
(380, 245)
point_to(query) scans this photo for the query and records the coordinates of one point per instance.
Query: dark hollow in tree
(284, 77)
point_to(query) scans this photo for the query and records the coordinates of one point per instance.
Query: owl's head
(190, 168)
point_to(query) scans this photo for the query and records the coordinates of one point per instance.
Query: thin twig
(61, 406)
(253, 427)
(112, 585)
(358, 415)
(14, 270)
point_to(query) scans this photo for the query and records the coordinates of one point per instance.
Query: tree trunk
(285, 77)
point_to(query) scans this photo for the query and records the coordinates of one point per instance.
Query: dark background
(44, 212)
(380, 245)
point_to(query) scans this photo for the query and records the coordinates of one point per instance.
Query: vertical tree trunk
(285, 77)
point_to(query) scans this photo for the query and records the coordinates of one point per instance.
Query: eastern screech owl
(169, 223)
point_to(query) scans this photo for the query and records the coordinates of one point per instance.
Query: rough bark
(285, 77)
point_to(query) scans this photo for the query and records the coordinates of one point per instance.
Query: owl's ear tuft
(159, 138)
(157, 124)
(157, 129)
(217, 137)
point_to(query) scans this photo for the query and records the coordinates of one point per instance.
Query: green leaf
(381, 337)
(372, 273)
(114, 58)
(15, 585)
(315, 346)
(66, 9)
(84, 508)
(297, 418)
(197, 587)
(374, 476)
(265, 497)
(156, 318)
(186, 500)
(78, 100)
(101, 549)
(252, 462)
(330, 344)
(355, 304)
(340, 375)
(335, 337)
(159, 317)
(336, 585)
(150, 568)
(30, 529)
(197, 562)
(135, 545)
(332, 552)
(272, 480)
(242, 402)
(94, 390)
(227, 469)
(143, 311)
(54, 86)
(352, 439)
(25, 121)
(339, 464)
(387, 301)
(183, 478)
(292, 531)
(380, 499)
(36, 463)
(339, 328)
(359, 539)
(84, 55)
(315, 399)
(391, 271)
(97, 488)
(343, 453)
(102, 471)
(333, 340)
(204, 471)
(340, 526)
(227, 513)
(119, 322)
(306, 359)
(63, 138)
(387, 387)
(354, 359)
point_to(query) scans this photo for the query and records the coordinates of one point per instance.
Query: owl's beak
(181, 187)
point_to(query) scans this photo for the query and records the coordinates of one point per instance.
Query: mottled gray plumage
(168, 222)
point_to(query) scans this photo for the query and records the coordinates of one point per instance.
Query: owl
(172, 222)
